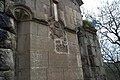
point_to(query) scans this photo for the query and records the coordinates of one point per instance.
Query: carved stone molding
(20, 12)
(59, 24)
(60, 37)
(58, 30)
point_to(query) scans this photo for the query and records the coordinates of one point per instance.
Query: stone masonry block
(24, 74)
(43, 31)
(55, 74)
(72, 74)
(38, 74)
(39, 59)
(24, 61)
(58, 60)
(6, 59)
(72, 38)
(33, 28)
(24, 28)
(23, 43)
(69, 18)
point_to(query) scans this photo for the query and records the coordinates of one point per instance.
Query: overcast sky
(91, 5)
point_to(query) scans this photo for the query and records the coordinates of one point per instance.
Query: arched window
(2, 5)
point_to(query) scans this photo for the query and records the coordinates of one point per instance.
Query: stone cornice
(80, 2)
(70, 30)
(90, 29)
(41, 21)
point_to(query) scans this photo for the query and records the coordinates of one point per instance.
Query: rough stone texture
(47, 49)
(6, 59)
(7, 48)
(90, 52)
(46, 62)
(69, 12)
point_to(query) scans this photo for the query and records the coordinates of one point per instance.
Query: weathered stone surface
(91, 57)
(39, 59)
(67, 3)
(3, 35)
(43, 56)
(6, 60)
(48, 49)
(55, 74)
(9, 75)
(23, 74)
(43, 31)
(39, 74)
(72, 74)
(23, 42)
(41, 9)
(7, 47)
(69, 18)
(71, 37)
(7, 39)
(62, 15)
(58, 60)
(61, 46)
(78, 18)
(1, 78)
(6, 64)
(23, 28)
(23, 60)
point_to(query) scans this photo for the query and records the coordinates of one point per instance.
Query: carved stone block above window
(61, 46)
(60, 38)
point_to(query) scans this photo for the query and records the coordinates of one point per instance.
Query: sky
(91, 5)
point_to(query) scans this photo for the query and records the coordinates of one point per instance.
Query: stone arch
(19, 12)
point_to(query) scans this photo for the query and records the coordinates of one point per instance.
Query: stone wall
(54, 51)
(7, 47)
(93, 68)
(46, 49)
(36, 46)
